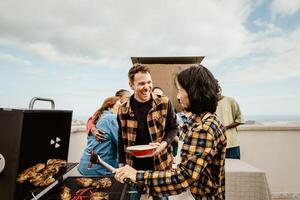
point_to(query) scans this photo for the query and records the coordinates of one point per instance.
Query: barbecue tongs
(95, 159)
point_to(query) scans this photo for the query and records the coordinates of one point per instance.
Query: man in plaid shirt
(202, 166)
(146, 118)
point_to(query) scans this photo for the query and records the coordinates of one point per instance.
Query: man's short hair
(201, 87)
(136, 68)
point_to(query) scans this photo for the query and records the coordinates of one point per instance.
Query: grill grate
(26, 189)
(117, 191)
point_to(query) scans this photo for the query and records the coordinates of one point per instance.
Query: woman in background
(106, 121)
(91, 124)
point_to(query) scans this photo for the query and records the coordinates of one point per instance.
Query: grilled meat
(30, 173)
(57, 162)
(43, 181)
(65, 193)
(99, 196)
(41, 175)
(84, 182)
(104, 183)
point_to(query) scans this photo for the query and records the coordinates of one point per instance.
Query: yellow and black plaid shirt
(157, 125)
(202, 166)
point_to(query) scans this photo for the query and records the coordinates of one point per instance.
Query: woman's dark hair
(201, 87)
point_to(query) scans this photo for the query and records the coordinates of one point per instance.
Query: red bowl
(141, 151)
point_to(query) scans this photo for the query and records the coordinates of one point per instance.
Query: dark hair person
(201, 87)
(120, 92)
(158, 90)
(136, 69)
(201, 169)
(123, 94)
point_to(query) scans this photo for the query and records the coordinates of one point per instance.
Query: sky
(77, 52)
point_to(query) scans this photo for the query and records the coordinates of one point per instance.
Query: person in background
(229, 112)
(157, 90)
(146, 118)
(106, 118)
(123, 94)
(91, 124)
(201, 171)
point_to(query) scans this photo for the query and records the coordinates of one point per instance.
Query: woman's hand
(125, 172)
(160, 147)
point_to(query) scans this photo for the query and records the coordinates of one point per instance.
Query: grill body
(28, 137)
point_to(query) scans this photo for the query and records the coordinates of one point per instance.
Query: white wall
(274, 149)
(77, 143)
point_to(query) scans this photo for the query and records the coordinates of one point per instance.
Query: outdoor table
(245, 182)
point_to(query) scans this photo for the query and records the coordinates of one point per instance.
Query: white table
(245, 182)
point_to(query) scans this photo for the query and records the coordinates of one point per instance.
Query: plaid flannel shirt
(156, 119)
(202, 166)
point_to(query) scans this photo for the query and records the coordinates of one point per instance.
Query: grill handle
(105, 164)
(2, 163)
(34, 99)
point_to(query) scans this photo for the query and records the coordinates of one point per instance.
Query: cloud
(50, 53)
(271, 105)
(268, 29)
(275, 58)
(106, 33)
(100, 32)
(284, 8)
(13, 59)
(34, 72)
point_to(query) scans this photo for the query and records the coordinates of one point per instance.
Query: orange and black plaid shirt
(202, 166)
(157, 120)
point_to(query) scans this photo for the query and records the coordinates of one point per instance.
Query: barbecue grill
(29, 137)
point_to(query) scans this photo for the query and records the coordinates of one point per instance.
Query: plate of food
(141, 151)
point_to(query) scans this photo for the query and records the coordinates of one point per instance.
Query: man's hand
(99, 134)
(160, 147)
(125, 172)
(232, 125)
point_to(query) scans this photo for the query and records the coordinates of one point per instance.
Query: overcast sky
(78, 52)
